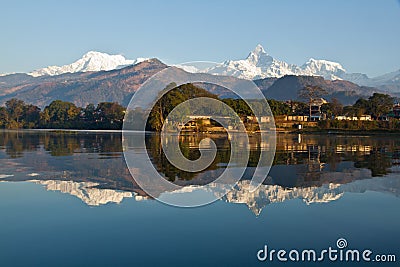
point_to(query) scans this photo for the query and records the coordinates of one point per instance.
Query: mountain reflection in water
(314, 168)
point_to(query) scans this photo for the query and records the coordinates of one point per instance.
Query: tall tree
(110, 113)
(337, 107)
(311, 93)
(361, 107)
(333, 108)
(15, 109)
(380, 104)
(31, 116)
(61, 112)
(89, 113)
(44, 118)
(3, 117)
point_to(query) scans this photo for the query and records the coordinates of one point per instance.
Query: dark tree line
(17, 114)
(62, 115)
(377, 105)
(109, 115)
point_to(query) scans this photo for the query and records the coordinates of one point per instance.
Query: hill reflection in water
(314, 168)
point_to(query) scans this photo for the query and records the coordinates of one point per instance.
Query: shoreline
(289, 131)
(342, 132)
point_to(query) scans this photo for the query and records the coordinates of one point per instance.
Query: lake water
(68, 199)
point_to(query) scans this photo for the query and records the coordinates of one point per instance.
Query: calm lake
(67, 199)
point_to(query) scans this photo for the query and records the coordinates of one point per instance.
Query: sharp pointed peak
(259, 49)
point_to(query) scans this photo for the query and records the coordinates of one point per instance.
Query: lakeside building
(354, 118)
(396, 111)
(315, 112)
(209, 123)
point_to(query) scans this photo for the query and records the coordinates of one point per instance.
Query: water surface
(68, 199)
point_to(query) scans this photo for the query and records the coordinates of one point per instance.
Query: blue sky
(364, 36)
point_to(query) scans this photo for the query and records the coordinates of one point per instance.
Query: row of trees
(180, 94)
(17, 114)
(277, 107)
(377, 105)
(109, 115)
(66, 115)
(61, 114)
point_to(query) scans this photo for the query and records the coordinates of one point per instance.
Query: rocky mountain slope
(80, 88)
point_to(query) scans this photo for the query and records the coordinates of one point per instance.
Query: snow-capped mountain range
(86, 191)
(91, 61)
(257, 65)
(264, 195)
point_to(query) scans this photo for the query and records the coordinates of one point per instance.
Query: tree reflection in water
(97, 157)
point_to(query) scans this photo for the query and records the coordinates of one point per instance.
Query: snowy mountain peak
(321, 63)
(259, 57)
(93, 54)
(327, 69)
(91, 61)
(259, 50)
(259, 64)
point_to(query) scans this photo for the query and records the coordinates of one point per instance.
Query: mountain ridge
(257, 65)
(91, 61)
(81, 88)
(119, 85)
